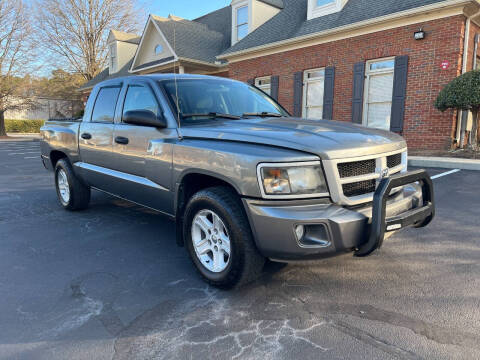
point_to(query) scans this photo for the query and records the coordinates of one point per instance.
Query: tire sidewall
(204, 202)
(62, 166)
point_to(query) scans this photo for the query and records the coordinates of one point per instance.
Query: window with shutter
(264, 84)
(377, 109)
(313, 93)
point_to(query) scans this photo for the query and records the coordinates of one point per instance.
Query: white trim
(341, 31)
(368, 73)
(315, 11)
(235, 7)
(150, 20)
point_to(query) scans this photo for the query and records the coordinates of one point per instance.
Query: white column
(181, 70)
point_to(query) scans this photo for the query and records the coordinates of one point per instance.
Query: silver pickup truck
(243, 180)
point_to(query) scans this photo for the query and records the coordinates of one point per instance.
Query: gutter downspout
(462, 124)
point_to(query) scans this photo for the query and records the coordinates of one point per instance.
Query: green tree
(463, 93)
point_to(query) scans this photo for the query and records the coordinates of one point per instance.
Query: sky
(187, 9)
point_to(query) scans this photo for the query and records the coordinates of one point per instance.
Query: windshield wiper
(212, 115)
(263, 114)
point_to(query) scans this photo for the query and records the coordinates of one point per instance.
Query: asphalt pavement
(110, 283)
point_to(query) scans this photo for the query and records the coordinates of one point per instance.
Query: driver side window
(140, 97)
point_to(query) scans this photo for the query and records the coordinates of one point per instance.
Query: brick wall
(424, 126)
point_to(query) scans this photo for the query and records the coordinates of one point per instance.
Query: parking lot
(110, 283)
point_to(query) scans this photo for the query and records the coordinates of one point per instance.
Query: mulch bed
(459, 153)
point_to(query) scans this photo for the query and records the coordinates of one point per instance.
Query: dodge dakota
(243, 180)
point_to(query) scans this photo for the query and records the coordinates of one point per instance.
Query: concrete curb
(21, 137)
(444, 162)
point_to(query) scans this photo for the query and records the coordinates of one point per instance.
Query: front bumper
(331, 229)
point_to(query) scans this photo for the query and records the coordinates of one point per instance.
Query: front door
(143, 154)
(96, 138)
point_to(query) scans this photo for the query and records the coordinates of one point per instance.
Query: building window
(313, 89)
(113, 58)
(242, 22)
(324, 2)
(378, 93)
(158, 49)
(318, 8)
(264, 84)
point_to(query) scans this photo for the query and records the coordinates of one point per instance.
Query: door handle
(86, 136)
(121, 140)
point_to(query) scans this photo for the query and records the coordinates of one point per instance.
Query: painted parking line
(24, 153)
(445, 174)
(32, 157)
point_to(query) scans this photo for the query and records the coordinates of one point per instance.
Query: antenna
(175, 75)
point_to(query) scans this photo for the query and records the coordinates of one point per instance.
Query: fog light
(300, 231)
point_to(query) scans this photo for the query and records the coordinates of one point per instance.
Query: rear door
(143, 154)
(96, 137)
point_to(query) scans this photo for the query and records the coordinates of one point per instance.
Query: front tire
(219, 239)
(72, 193)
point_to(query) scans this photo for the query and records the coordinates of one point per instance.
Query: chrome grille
(353, 181)
(394, 160)
(359, 188)
(356, 168)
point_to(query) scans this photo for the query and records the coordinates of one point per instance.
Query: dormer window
(241, 22)
(318, 8)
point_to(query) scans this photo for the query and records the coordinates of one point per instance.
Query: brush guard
(418, 217)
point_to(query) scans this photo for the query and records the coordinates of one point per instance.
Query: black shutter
(251, 82)
(358, 87)
(297, 93)
(275, 81)
(328, 93)
(399, 93)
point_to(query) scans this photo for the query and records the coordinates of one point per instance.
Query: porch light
(419, 35)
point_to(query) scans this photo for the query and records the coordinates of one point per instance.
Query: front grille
(394, 160)
(356, 168)
(359, 188)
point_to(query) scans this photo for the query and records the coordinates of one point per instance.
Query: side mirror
(144, 118)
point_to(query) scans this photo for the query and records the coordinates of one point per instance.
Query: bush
(23, 126)
(462, 93)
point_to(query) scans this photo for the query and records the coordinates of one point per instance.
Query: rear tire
(72, 193)
(213, 215)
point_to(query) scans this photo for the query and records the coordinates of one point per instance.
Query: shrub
(23, 126)
(462, 93)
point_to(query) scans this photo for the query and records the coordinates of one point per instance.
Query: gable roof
(201, 39)
(275, 3)
(125, 37)
(104, 75)
(291, 22)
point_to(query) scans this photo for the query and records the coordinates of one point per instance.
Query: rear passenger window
(104, 109)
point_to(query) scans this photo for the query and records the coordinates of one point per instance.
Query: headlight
(292, 180)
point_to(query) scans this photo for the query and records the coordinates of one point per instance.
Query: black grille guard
(418, 217)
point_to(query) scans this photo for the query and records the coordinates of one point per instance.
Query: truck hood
(325, 138)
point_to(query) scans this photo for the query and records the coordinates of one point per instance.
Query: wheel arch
(190, 183)
(55, 156)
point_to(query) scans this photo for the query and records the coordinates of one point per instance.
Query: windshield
(199, 99)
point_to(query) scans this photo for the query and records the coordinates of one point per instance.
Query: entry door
(143, 154)
(96, 138)
(378, 93)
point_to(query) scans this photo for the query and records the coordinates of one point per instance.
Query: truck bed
(60, 135)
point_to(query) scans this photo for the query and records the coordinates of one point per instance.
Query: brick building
(380, 63)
